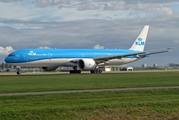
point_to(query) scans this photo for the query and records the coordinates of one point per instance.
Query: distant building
(155, 65)
(107, 68)
(173, 65)
(144, 65)
(130, 68)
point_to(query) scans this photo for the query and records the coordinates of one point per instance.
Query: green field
(146, 104)
(11, 84)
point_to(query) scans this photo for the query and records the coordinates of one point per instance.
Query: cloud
(176, 41)
(154, 8)
(164, 11)
(69, 11)
(115, 5)
(7, 1)
(140, 8)
(5, 50)
(87, 7)
(46, 3)
(98, 47)
(45, 47)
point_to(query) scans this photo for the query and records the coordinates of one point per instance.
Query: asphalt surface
(84, 73)
(83, 91)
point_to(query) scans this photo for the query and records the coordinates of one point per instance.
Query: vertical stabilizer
(140, 42)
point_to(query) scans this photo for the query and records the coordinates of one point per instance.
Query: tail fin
(139, 43)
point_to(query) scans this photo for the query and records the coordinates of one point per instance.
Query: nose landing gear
(18, 70)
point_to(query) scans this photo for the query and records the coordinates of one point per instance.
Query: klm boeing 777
(81, 59)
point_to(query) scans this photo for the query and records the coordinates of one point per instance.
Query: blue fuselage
(29, 55)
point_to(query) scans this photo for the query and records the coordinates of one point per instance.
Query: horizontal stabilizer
(159, 51)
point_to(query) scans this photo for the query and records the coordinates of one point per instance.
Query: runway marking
(83, 91)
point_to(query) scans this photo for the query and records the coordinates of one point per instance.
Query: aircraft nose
(7, 59)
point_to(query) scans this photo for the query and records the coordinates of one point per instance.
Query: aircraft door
(26, 57)
(49, 55)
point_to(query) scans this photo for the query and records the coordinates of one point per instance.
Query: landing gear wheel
(92, 71)
(99, 71)
(79, 71)
(71, 71)
(96, 71)
(75, 71)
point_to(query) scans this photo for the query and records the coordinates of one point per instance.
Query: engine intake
(86, 64)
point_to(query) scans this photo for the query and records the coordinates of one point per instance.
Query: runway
(87, 91)
(84, 73)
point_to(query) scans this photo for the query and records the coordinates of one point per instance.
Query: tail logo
(140, 42)
(139, 39)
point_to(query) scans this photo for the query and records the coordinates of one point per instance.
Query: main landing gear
(75, 71)
(96, 71)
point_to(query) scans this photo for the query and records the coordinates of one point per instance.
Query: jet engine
(50, 68)
(86, 64)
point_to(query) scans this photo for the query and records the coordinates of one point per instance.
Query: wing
(136, 54)
(159, 51)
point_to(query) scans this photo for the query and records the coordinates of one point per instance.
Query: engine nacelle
(86, 64)
(50, 68)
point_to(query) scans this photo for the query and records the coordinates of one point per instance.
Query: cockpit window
(11, 55)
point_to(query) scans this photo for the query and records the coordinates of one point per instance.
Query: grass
(11, 84)
(119, 105)
(148, 104)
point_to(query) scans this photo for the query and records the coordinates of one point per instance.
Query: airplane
(81, 59)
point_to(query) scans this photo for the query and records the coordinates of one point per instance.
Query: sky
(98, 24)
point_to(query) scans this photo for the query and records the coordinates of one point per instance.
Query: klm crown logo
(140, 42)
(139, 39)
